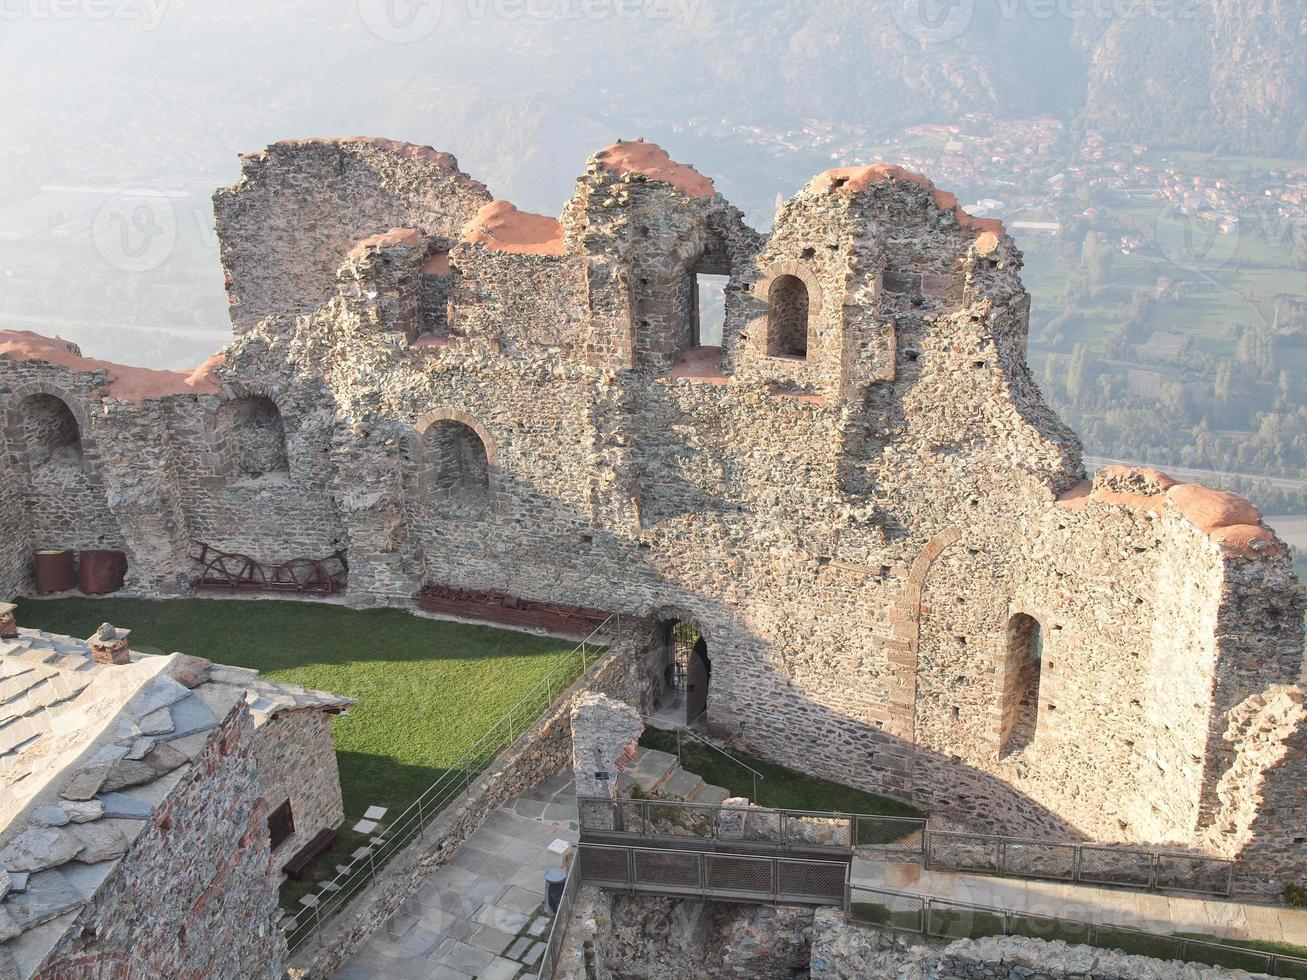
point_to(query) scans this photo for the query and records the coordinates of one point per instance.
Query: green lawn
(781, 788)
(1263, 945)
(426, 690)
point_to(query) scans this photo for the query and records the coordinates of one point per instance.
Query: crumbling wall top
(1231, 521)
(500, 226)
(407, 237)
(652, 161)
(128, 384)
(855, 180)
(358, 144)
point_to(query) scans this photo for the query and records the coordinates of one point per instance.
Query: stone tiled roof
(87, 751)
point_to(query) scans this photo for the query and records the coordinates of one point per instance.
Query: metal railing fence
(1085, 864)
(911, 840)
(753, 773)
(948, 919)
(728, 877)
(558, 929)
(453, 783)
(791, 829)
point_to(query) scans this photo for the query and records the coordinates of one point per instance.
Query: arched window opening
(1024, 660)
(54, 439)
(257, 437)
(455, 466)
(787, 323)
(682, 695)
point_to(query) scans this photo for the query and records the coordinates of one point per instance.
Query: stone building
(142, 823)
(871, 547)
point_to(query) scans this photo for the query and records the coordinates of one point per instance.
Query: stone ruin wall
(192, 896)
(296, 759)
(852, 531)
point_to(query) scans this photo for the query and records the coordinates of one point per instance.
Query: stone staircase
(659, 776)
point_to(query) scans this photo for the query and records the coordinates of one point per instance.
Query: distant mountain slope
(1212, 76)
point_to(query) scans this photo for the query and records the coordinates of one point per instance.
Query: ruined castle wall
(273, 516)
(192, 896)
(853, 531)
(1261, 814)
(65, 499)
(15, 559)
(300, 205)
(523, 304)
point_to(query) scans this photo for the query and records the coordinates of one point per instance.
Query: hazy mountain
(1220, 76)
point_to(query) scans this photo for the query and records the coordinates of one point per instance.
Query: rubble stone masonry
(192, 897)
(883, 534)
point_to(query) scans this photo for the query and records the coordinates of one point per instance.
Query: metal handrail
(912, 839)
(558, 928)
(784, 819)
(717, 748)
(1078, 873)
(456, 780)
(1093, 931)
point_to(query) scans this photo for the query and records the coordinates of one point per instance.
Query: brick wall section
(192, 897)
(297, 761)
(851, 531)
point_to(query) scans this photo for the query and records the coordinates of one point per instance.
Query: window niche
(1021, 678)
(53, 437)
(709, 276)
(255, 437)
(454, 465)
(437, 282)
(281, 825)
(788, 315)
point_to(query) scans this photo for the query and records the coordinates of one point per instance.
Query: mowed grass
(426, 690)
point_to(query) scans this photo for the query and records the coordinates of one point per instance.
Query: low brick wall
(539, 753)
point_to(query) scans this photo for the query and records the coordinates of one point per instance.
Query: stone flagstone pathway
(482, 915)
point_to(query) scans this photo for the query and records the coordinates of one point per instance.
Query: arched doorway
(686, 672)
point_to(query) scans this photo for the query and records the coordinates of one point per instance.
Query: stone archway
(680, 671)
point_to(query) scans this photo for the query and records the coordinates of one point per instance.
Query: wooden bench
(309, 853)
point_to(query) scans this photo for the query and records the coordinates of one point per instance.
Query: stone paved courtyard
(482, 915)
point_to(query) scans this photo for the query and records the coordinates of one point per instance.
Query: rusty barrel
(54, 570)
(100, 571)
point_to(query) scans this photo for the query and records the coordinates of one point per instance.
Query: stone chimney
(8, 625)
(109, 645)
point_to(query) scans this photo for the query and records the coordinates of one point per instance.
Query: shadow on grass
(779, 787)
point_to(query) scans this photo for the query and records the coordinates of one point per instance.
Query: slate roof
(87, 751)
